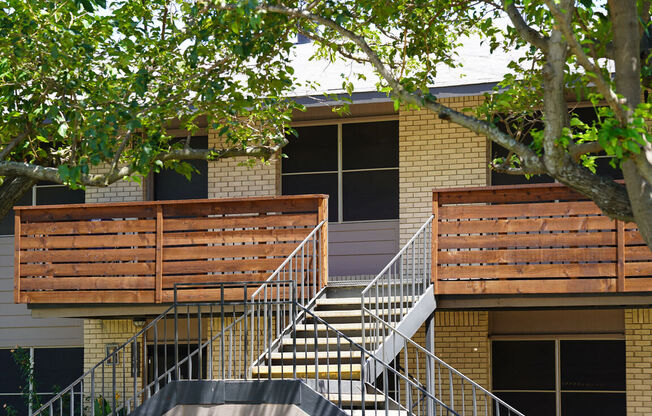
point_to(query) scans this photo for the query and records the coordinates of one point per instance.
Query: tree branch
(577, 150)
(529, 34)
(601, 84)
(44, 173)
(10, 146)
(530, 159)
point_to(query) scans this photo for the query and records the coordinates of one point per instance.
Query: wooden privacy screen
(533, 239)
(136, 252)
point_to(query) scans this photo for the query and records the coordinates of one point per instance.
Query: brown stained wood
(620, 256)
(87, 283)
(169, 281)
(207, 294)
(323, 243)
(90, 297)
(17, 257)
(88, 256)
(78, 212)
(89, 241)
(527, 225)
(248, 221)
(172, 267)
(528, 255)
(518, 210)
(638, 253)
(87, 269)
(240, 236)
(527, 271)
(511, 287)
(638, 269)
(240, 250)
(434, 242)
(638, 284)
(507, 193)
(531, 240)
(87, 227)
(248, 206)
(158, 277)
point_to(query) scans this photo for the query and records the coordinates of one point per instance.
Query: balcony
(136, 252)
(533, 239)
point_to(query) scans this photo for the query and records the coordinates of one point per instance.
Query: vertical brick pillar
(638, 353)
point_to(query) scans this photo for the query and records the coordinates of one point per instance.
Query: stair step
(356, 399)
(371, 412)
(352, 313)
(326, 371)
(310, 355)
(322, 341)
(345, 327)
(357, 301)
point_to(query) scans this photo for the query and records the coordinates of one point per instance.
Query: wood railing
(136, 252)
(533, 239)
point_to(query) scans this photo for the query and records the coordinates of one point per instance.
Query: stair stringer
(408, 326)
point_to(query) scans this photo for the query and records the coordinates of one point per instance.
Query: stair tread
(358, 300)
(335, 326)
(350, 313)
(356, 397)
(331, 340)
(302, 355)
(330, 371)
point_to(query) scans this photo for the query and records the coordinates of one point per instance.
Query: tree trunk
(626, 35)
(12, 189)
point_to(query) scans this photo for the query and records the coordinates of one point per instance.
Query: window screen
(315, 183)
(56, 368)
(370, 145)
(169, 184)
(313, 150)
(356, 165)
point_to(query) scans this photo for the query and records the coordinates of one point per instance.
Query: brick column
(638, 353)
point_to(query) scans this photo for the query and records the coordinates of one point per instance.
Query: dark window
(45, 193)
(584, 367)
(58, 195)
(168, 184)
(530, 403)
(314, 150)
(56, 368)
(523, 365)
(10, 381)
(370, 195)
(364, 174)
(315, 183)
(370, 145)
(591, 376)
(587, 115)
(598, 404)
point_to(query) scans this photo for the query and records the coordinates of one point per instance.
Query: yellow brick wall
(121, 191)
(434, 153)
(638, 353)
(227, 178)
(461, 340)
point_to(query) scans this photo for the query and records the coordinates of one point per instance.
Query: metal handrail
(441, 362)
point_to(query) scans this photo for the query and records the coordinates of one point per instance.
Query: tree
(595, 50)
(84, 87)
(87, 90)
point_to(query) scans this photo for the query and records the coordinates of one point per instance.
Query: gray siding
(361, 248)
(17, 327)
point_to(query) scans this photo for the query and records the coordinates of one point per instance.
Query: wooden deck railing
(533, 239)
(136, 252)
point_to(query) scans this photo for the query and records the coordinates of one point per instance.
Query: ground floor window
(54, 369)
(562, 377)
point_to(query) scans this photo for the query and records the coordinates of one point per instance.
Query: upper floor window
(43, 193)
(356, 164)
(168, 184)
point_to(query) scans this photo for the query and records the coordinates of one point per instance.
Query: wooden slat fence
(533, 239)
(136, 252)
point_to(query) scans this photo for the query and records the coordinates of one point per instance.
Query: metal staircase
(355, 351)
